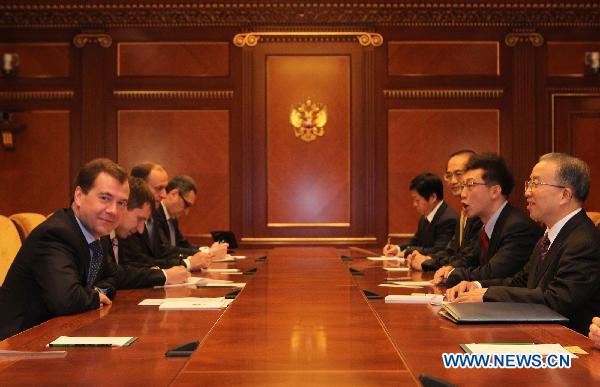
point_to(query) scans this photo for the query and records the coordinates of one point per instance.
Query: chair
(10, 243)
(26, 222)
(595, 217)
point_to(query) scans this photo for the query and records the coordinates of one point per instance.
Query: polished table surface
(302, 319)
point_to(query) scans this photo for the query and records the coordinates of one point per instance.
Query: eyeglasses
(186, 204)
(534, 184)
(458, 174)
(469, 184)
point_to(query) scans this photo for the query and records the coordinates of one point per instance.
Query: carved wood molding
(513, 38)
(251, 39)
(104, 40)
(173, 94)
(46, 94)
(221, 13)
(443, 93)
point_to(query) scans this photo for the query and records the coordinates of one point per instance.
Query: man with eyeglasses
(464, 244)
(181, 196)
(563, 271)
(61, 268)
(436, 226)
(147, 249)
(507, 236)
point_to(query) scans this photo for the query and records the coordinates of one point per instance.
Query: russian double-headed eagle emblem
(308, 120)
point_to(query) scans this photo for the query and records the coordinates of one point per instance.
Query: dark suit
(433, 237)
(182, 245)
(462, 254)
(513, 238)
(131, 277)
(48, 276)
(139, 251)
(568, 279)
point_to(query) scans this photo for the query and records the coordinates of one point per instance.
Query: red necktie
(485, 246)
(544, 246)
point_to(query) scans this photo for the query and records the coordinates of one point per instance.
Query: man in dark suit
(563, 271)
(61, 268)
(139, 208)
(145, 249)
(508, 235)
(436, 226)
(181, 196)
(465, 242)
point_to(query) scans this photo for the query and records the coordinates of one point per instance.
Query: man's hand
(458, 290)
(104, 300)
(390, 250)
(219, 250)
(595, 331)
(176, 275)
(441, 274)
(416, 259)
(200, 260)
(475, 295)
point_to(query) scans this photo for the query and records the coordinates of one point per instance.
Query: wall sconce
(8, 128)
(592, 62)
(10, 63)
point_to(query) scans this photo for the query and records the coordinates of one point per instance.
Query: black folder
(500, 312)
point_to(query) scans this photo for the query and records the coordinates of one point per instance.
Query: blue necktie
(95, 262)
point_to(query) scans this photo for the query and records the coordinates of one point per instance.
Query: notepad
(193, 303)
(223, 260)
(395, 268)
(413, 298)
(492, 348)
(382, 258)
(237, 257)
(82, 341)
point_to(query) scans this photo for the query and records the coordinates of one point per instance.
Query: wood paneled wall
(165, 82)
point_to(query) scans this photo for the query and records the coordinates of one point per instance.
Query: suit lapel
(83, 250)
(555, 247)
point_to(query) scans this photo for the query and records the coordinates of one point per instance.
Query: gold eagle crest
(308, 120)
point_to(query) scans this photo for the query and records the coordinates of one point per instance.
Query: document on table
(414, 298)
(8, 354)
(382, 258)
(83, 341)
(194, 303)
(542, 349)
(393, 285)
(413, 283)
(395, 268)
(227, 271)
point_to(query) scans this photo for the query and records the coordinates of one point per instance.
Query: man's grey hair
(572, 172)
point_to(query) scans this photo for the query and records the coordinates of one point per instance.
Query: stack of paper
(194, 303)
(383, 258)
(414, 298)
(225, 271)
(72, 341)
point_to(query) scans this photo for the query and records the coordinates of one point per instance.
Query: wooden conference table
(302, 319)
